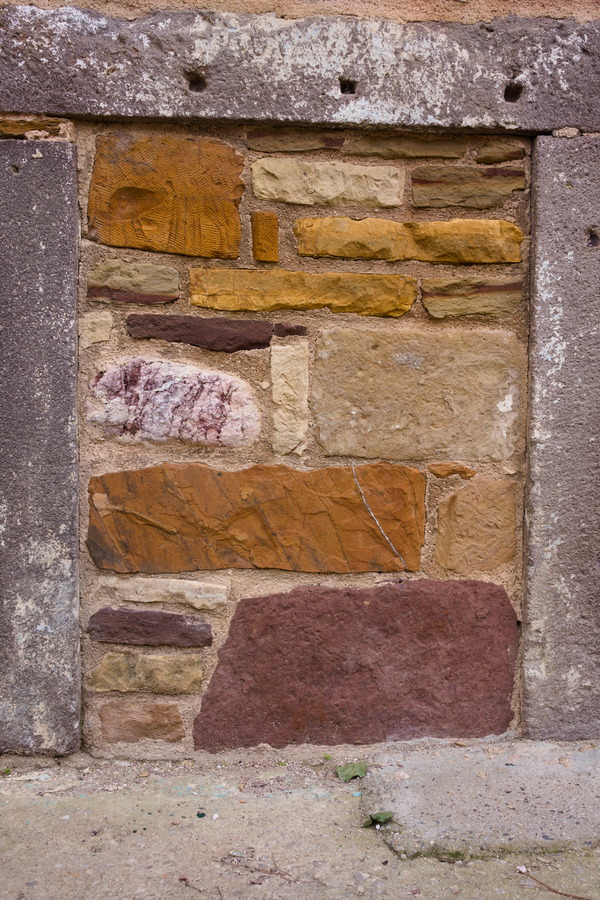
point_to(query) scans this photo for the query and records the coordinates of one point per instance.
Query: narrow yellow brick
(265, 236)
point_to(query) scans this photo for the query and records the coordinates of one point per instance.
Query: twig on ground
(554, 891)
(189, 884)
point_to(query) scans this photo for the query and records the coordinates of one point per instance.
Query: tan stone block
(263, 290)
(201, 595)
(414, 394)
(130, 721)
(498, 150)
(289, 384)
(464, 296)
(166, 193)
(439, 186)
(94, 328)
(456, 241)
(273, 140)
(327, 183)
(404, 146)
(132, 282)
(155, 674)
(265, 236)
(36, 127)
(446, 469)
(477, 527)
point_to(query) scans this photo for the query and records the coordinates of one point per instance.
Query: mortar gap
(347, 86)
(513, 91)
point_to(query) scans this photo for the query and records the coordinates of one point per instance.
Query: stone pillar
(39, 634)
(562, 634)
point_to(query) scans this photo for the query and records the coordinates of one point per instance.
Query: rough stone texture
(498, 150)
(151, 627)
(266, 290)
(289, 385)
(274, 140)
(407, 75)
(35, 127)
(439, 186)
(39, 628)
(446, 469)
(358, 666)
(457, 241)
(179, 518)
(465, 296)
(415, 394)
(476, 529)
(404, 146)
(130, 721)
(562, 636)
(129, 282)
(224, 335)
(159, 674)
(94, 328)
(327, 183)
(265, 236)
(166, 193)
(156, 400)
(200, 595)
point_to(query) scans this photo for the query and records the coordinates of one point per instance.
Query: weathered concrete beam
(39, 632)
(562, 634)
(531, 75)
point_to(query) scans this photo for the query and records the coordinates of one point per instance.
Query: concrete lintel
(529, 75)
(39, 631)
(562, 634)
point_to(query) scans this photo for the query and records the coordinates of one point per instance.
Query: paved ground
(91, 830)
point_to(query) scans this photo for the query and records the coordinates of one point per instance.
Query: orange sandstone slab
(265, 236)
(181, 518)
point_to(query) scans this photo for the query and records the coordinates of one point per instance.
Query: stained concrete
(39, 637)
(562, 629)
(509, 74)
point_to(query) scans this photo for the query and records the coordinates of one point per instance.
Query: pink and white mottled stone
(157, 400)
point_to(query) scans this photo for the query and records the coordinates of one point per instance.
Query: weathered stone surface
(468, 296)
(265, 236)
(477, 527)
(266, 290)
(179, 518)
(94, 328)
(224, 335)
(440, 186)
(166, 193)
(273, 140)
(358, 666)
(404, 146)
(289, 384)
(327, 183)
(456, 241)
(416, 394)
(130, 721)
(445, 75)
(159, 674)
(446, 469)
(562, 634)
(35, 127)
(39, 623)
(130, 282)
(156, 400)
(497, 150)
(151, 627)
(201, 595)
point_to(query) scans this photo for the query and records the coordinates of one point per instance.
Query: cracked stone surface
(155, 400)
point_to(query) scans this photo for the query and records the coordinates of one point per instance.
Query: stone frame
(513, 76)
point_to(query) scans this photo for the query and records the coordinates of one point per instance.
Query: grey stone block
(39, 635)
(562, 634)
(508, 75)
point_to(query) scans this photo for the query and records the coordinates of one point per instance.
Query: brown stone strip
(223, 335)
(151, 627)
(95, 292)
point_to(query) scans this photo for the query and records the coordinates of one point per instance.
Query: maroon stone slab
(224, 335)
(150, 627)
(351, 666)
(103, 292)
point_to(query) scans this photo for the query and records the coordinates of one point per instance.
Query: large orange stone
(180, 518)
(166, 193)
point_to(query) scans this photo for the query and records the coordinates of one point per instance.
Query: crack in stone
(374, 517)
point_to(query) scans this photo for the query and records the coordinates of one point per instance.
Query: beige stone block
(474, 188)
(156, 674)
(465, 296)
(404, 146)
(201, 595)
(94, 328)
(477, 527)
(456, 241)
(498, 150)
(327, 183)
(130, 721)
(414, 395)
(289, 381)
(262, 290)
(273, 140)
(133, 282)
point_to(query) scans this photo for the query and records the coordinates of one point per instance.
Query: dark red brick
(151, 627)
(224, 335)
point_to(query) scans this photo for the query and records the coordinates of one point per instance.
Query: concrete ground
(267, 827)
